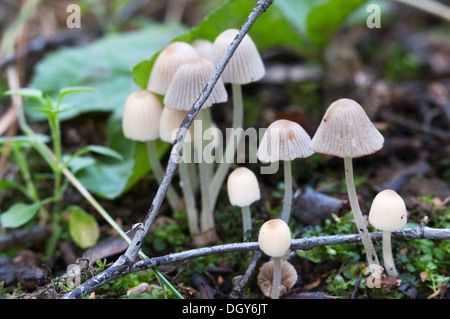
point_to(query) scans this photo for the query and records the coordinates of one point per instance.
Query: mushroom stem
(172, 196)
(189, 198)
(388, 259)
(238, 119)
(276, 278)
(371, 255)
(287, 201)
(246, 220)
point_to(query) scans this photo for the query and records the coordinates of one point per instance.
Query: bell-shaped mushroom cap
(284, 140)
(388, 211)
(346, 131)
(203, 48)
(167, 63)
(265, 277)
(189, 81)
(274, 237)
(243, 187)
(245, 66)
(170, 122)
(141, 116)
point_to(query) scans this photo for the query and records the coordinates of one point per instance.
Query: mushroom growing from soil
(185, 87)
(169, 125)
(243, 190)
(140, 122)
(245, 66)
(274, 240)
(388, 213)
(347, 132)
(285, 140)
(265, 277)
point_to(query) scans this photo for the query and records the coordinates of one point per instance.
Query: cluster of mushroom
(179, 74)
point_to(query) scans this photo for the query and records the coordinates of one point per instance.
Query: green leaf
(109, 179)
(83, 227)
(103, 150)
(30, 93)
(19, 214)
(104, 66)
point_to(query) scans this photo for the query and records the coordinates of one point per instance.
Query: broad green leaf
(105, 66)
(19, 214)
(74, 89)
(83, 227)
(110, 178)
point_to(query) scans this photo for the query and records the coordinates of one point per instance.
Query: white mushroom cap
(166, 64)
(243, 187)
(388, 211)
(203, 48)
(189, 81)
(141, 116)
(284, 140)
(265, 277)
(274, 237)
(170, 122)
(346, 131)
(245, 66)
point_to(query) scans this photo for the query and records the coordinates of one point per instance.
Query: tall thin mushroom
(347, 132)
(285, 140)
(140, 122)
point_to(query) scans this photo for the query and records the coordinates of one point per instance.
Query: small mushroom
(347, 132)
(140, 122)
(265, 277)
(274, 240)
(168, 128)
(189, 81)
(167, 63)
(388, 213)
(243, 190)
(285, 140)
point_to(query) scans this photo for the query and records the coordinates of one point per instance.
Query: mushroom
(243, 190)
(274, 240)
(203, 48)
(388, 213)
(185, 87)
(265, 277)
(284, 140)
(245, 66)
(167, 63)
(347, 132)
(140, 122)
(168, 127)
(189, 81)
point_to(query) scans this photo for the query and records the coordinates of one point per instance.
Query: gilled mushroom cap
(274, 237)
(166, 64)
(141, 116)
(245, 66)
(243, 187)
(284, 140)
(189, 81)
(346, 131)
(388, 211)
(265, 277)
(170, 122)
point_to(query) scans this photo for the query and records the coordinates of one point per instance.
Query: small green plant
(23, 212)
